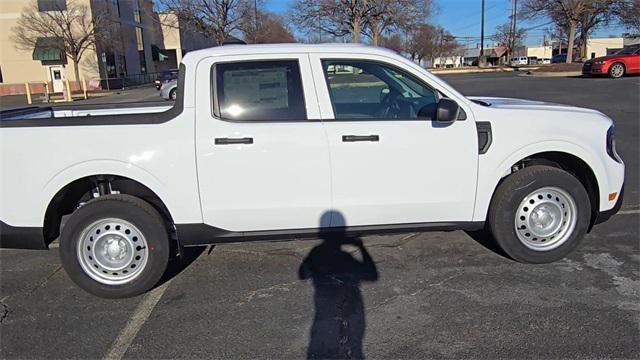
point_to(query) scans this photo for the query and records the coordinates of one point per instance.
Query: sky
(462, 19)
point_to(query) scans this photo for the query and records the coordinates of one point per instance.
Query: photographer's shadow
(339, 321)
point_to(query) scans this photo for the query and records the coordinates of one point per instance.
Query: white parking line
(138, 318)
(627, 212)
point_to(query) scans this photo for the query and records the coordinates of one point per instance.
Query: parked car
(264, 143)
(560, 58)
(625, 61)
(165, 77)
(521, 60)
(545, 61)
(532, 60)
(169, 90)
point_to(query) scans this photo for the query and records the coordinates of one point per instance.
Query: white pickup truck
(286, 141)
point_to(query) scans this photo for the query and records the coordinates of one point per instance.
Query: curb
(554, 74)
(471, 71)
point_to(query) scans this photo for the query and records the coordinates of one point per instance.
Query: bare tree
(568, 13)
(628, 12)
(215, 18)
(266, 27)
(395, 15)
(421, 42)
(393, 42)
(597, 13)
(506, 37)
(338, 18)
(74, 28)
(431, 42)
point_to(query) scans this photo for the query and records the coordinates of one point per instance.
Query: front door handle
(352, 138)
(232, 141)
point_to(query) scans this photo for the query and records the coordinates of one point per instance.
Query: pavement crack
(4, 312)
(44, 282)
(266, 292)
(414, 293)
(398, 243)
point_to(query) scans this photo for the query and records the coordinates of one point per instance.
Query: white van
(521, 60)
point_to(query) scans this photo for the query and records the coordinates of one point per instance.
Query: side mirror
(447, 110)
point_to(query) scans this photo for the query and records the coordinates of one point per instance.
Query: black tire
(615, 74)
(133, 210)
(506, 203)
(173, 94)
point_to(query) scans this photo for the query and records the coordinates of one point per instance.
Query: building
(149, 42)
(469, 57)
(540, 52)
(603, 46)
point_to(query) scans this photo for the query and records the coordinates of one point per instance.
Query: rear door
(262, 165)
(391, 164)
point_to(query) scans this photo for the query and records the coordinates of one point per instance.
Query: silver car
(168, 91)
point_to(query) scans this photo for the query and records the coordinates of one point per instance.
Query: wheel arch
(71, 195)
(573, 165)
(571, 158)
(624, 66)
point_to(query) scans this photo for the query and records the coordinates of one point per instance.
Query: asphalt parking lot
(430, 295)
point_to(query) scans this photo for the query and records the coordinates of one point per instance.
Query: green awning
(158, 54)
(48, 49)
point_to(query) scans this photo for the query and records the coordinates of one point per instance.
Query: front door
(262, 165)
(390, 163)
(56, 74)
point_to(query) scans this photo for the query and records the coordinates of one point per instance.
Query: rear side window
(261, 90)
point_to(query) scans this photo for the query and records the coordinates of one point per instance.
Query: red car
(625, 61)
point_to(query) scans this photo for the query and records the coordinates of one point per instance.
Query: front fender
(492, 168)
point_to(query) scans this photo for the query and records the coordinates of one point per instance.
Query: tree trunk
(572, 35)
(76, 70)
(355, 32)
(584, 38)
(375, 36)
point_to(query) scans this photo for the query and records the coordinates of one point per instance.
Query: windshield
(628, 50)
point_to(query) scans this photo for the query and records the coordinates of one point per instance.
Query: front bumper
(593, 69)
(607, 214)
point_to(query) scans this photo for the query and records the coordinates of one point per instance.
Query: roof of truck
(284, 48)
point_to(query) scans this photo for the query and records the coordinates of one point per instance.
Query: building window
(136, 11)
(123, 66)
(140, 44)
(115, 7)
(1, 81)
(110, 64)
(52, 5)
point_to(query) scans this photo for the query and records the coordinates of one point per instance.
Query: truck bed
(49, 112)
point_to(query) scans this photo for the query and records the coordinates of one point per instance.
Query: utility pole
(481, 34)
(512, 31)
(255, 18)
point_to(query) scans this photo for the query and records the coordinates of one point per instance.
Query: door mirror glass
(447, 110)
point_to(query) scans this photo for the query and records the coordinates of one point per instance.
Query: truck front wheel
(539, 214)
(115, 246)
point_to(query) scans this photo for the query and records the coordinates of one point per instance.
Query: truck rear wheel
(539, 214)
(115, 246)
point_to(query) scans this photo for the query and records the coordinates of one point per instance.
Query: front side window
(260, 90)
(365, 89)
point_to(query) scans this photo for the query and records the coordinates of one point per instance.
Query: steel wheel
(173, 94)
(545, 218)
(616, 70)
(112, 251)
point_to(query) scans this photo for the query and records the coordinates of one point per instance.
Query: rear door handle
(232, 141)
(352, 138)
